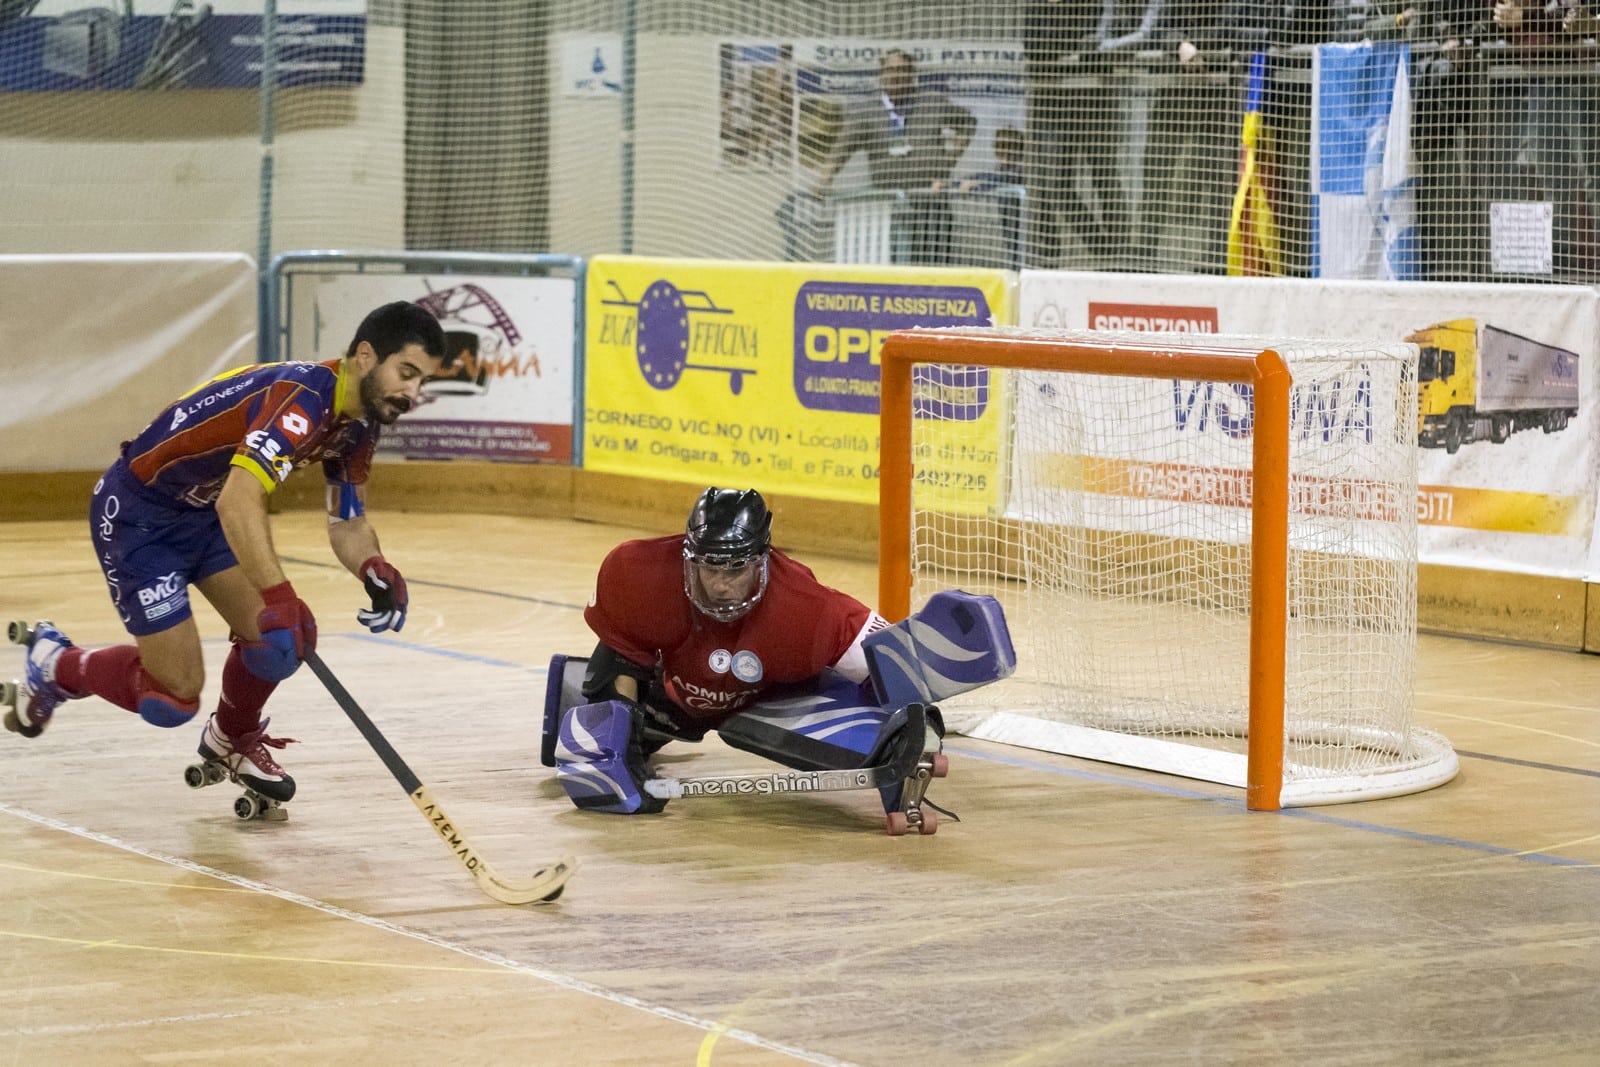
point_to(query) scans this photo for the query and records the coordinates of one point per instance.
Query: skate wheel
(194, 776)
(555, 895)
(941, 764)
(247, 807)
(19, 632)
(8, 694)
(896, 824)
(16, 725)
(929, 823)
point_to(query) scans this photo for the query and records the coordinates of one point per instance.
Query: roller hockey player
(717, 630)
(186, 505)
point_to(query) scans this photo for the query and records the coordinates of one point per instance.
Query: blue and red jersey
(268, 418)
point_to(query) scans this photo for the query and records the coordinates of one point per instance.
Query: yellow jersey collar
(341, 388)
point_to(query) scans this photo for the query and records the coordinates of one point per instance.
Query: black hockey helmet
(729, 531)
(728, 525)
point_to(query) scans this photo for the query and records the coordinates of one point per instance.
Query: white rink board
(96, 345)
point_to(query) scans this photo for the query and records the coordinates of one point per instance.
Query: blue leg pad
(563, 689)
(957, 642)
(835, 724)
(599, 762)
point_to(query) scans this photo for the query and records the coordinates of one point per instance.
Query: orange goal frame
(1264, 369)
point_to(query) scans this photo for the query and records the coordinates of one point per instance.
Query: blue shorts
(151, 550)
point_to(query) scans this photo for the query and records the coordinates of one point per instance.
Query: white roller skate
(31, 701)
(245, 761)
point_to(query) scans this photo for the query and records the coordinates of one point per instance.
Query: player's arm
(353, 538)
(286, 629)
(242, 510)
(623, 663)
(850, 140)
(355, 544)
(852, 662)
(612, 676)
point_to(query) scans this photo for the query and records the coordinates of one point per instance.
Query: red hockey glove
(288, 632)
(388, 592)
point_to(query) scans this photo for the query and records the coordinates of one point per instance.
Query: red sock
(110, 673)
(243, 696)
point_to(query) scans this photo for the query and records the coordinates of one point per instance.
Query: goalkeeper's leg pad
(958, 641)
(834, 726)
(599, 761)
(563, 689)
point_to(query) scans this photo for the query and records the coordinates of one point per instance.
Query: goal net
(1205, 547)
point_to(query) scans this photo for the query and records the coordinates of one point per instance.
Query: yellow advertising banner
(761, 374)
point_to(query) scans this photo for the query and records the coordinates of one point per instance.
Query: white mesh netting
(1111, 516)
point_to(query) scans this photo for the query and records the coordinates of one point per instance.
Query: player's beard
(378, 407)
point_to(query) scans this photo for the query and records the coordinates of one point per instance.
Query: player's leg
(827, 725)
(608, 676)
(143, 549)
(599, 737)
(159, 678)
(837, 725)
(563, 690)
(236, 733)
(36, 695)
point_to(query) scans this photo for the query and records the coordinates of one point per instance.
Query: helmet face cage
(726, 540)
(748, 575)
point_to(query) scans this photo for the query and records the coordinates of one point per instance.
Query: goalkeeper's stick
(546, 883)
(895, 769)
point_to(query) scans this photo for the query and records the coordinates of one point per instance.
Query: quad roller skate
(30, 701)
(245, 762)
(904, 805)
(250, 805)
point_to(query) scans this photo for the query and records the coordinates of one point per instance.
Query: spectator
(1003, 183)
(1444, 72)
(1075, 126)
(1192, 115)
(912, 137)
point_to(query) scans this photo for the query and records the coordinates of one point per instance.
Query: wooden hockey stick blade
(546, 884)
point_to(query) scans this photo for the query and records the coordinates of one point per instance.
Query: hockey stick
(878, 776)
(545, 885)
(766, 784)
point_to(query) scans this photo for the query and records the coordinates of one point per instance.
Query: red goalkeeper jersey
(712, 669)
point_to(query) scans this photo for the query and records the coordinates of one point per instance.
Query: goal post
(1205, 545)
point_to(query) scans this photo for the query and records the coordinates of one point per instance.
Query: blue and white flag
(1363, 202)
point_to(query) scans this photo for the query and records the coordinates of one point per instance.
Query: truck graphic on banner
(1479, 382)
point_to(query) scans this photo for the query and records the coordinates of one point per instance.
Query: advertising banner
(757, 374)
(1507, 414)
(53, 46)
(507, 393)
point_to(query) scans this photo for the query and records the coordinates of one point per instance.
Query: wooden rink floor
(1080, 913)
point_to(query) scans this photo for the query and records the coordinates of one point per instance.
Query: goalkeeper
(715, 629)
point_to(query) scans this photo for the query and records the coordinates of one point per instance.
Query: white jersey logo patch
(747, 667)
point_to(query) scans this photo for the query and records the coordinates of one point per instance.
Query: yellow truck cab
(1479, 382)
